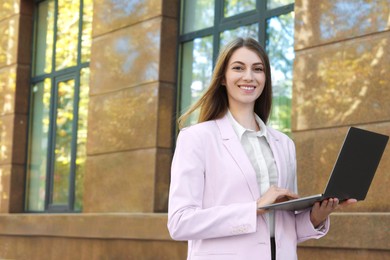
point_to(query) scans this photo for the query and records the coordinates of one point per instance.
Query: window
(208, 24)
(58, 105)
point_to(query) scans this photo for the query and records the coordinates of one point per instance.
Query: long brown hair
(213, 103)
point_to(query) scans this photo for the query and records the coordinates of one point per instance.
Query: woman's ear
(223, 83)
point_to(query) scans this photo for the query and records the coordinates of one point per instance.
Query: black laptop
(352, 173)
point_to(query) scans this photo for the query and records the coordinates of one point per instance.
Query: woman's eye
(238, 68)
(258, 69)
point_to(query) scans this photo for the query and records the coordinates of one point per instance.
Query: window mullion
(240, 20)
(65, 71)
(52, 118)
(53, 58)
(279, 11)
(262, 8)
(72, 174)
(218, 15)
(80, 36)
(196, 34)
(51, 145)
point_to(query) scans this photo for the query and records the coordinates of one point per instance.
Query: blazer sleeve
(306, 230)
(187, 219)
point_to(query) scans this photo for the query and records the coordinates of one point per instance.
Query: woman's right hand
(274, 195)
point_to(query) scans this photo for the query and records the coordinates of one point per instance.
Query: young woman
(231, 163)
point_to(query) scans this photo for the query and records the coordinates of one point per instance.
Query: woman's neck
(245, 117)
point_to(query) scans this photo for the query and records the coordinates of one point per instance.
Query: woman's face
(244, 78)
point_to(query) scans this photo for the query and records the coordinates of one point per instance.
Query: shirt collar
(240, 130)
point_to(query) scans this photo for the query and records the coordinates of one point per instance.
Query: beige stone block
(123, 120)
(15, 40)
(317, 151)
(13, 139)
(171, 8)
(120, 182)
(357, 231)
(5, 178)
(14, 88)
(38, 248)
(309, 253)
(168, 52)
(22, 89)
(112, 15)
(25, 38)
(142, 226)
(26, 7)
(342, 84)
(9, 40)
(163, 172)
(6, 138)
(17, 188)
(9, 8)
(7, 89)
(19, 145)
(321, 22)
(125, 58)
(12, 186)
(166, 118)
(88, 236)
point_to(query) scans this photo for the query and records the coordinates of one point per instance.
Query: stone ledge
(348, 230)
(142, 226)
(356, 231)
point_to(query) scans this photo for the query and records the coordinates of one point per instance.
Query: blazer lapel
(233, 145)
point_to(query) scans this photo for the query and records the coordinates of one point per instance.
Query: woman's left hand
(321, 210)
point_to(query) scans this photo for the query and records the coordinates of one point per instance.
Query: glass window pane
(86, 31)
(38, 146)
(196, 71)
(197, 15)
(244, 31)
(82, 137)
(234, 7)
(63, 141)
(61, 156)
(280, 48)
(271, 4)
(67, 33)
(44, 38)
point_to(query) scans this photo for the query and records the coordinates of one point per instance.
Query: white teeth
(247, 87)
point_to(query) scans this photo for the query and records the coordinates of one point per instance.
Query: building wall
(132, 94)
(15, 60)
(341, 78)
(129, 149)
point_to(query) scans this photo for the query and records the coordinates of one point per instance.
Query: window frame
(259, 16)
(56, 76)
(221, 24)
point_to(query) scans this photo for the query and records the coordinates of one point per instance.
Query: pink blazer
(213, 193)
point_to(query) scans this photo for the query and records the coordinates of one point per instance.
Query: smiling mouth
(244, 87)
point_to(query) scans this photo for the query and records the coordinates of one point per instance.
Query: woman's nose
(248, 76)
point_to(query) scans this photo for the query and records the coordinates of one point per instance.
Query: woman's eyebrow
(242, 63)
(258, 63)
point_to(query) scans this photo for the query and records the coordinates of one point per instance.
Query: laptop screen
(356, 164)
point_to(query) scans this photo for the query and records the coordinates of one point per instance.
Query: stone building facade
(341, 78)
